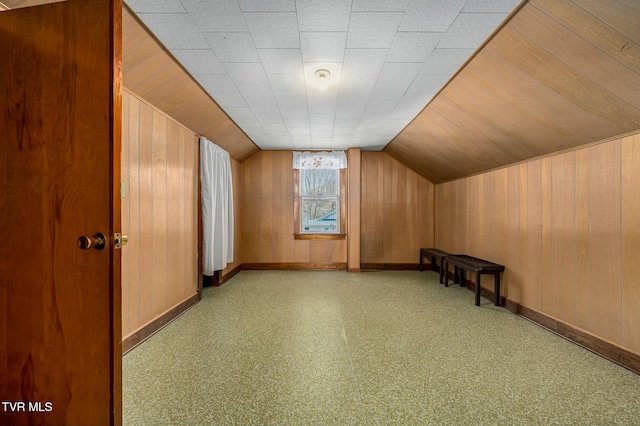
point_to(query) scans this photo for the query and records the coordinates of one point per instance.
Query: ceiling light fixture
(323, 78)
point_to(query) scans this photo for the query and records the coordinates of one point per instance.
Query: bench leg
(443, 277)
(477, 288)
(420, 266)
(497, 288)
(463, 279)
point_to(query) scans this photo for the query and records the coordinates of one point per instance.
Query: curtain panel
(217, 207)
(319, 160)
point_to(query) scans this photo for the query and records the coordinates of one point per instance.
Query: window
(319, 196)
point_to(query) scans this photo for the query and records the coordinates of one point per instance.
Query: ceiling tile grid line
(385, 61)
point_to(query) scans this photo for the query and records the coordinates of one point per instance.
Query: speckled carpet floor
(332, 348)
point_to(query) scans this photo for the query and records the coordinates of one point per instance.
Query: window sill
(319, 236)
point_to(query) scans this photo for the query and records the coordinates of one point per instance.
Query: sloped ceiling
(559, 74)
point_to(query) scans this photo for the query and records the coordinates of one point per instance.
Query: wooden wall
(396, 211)
(159, 213)
(567, 229)
(267, 219)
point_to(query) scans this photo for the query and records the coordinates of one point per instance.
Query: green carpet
(332, 348)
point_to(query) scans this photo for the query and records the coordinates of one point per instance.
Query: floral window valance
(319, 160)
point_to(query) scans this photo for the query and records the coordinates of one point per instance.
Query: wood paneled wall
(159, 213)
(267, 231)
(396, 212)
(567, 229)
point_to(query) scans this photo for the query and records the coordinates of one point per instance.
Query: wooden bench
(478, 266)
(432, 254)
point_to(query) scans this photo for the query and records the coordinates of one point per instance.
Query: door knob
(98, 241)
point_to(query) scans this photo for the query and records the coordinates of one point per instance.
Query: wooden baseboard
(608, 350)
(614, 353)
(390, 266)
(144, 333)
(293, 266)
(355, 270)
(232, 273)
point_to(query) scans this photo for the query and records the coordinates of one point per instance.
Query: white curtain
(319, 160)
(217, 207)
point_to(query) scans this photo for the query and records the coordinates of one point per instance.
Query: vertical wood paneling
(396, 211)
(472, 211)
(132, 195)
(582, 238)
(173, 208)
(545, 234)
(532, 257)
(160, 175)
(604, 241)
(571, 234)
(631, 242)
(159, 218)
(559, 291)
(513, 273)
(145, 232)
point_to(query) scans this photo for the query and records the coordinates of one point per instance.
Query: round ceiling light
(323, 78)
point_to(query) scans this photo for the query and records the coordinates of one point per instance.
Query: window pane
(319, 183)
(319, 215)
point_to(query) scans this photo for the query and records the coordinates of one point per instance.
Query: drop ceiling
(257, 59)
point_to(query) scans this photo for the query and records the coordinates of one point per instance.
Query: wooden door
(60, 124)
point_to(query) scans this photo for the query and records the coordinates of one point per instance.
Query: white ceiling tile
(247, 73)
(273, 30)
(380, 107)
(156, 6)
(291, 100)
(294, 113)
(504, 6)
(267, 106)
(346, 123)
(412, 47)
(322, 118)
(445, 61)
(405, 114)
(199, 61)
(216, 15)
(433, 15)
(344, 131)
(287, 83)
(393, 82)
(247, 122)
(321, 128)
(232, 47)
(428, 83)
(346, 112)
(296, 123)
(281, 61)
(175, 31)
(373, 29)
(267, 6)
(323, 46)
(240, 112)
(363, 61)
(299, 131)
(471, 29)
(216, 83)
(270, 118)
(379, 5)
(326, 15)
(414, 100)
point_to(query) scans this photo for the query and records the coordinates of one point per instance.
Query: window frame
(298, 233)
